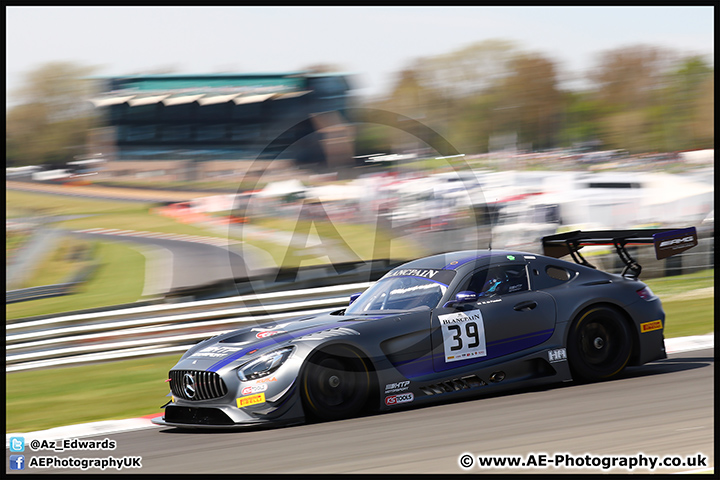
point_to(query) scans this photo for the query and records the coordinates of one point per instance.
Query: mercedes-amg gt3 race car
(448, 326)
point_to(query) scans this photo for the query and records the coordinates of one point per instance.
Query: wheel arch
(625, 315)
(340, 349)
(336, 347)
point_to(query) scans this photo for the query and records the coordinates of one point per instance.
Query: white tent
(335, 193)
(279, 189)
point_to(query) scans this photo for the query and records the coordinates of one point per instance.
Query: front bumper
(285, 410)
(215, 418)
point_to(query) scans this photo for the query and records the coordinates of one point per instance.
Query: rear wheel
(599, 344)
(335, 384)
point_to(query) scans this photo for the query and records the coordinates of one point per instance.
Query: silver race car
(448, 326)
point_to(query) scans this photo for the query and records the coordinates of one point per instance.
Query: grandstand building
(195, 127)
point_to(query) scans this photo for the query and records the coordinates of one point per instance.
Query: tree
(582, 116)
(467, 71)
(631, 77)
(449, 92)
(689, 104)
(704, 114)
(531, 100)
(631, 84)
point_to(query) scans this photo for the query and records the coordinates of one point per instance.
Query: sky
(374, 43)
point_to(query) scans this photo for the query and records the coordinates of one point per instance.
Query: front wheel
(335, 384)
(599, 344)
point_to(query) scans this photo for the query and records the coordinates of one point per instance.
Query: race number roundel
(463, 335)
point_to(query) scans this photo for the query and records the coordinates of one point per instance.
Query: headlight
(264, 365)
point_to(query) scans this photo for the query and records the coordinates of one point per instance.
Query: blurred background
(170, 159)
(490, 143)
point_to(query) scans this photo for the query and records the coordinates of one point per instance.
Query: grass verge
(42, 399)
(689, 317)
(665, 287)
(685, 312)
(96, 213)
(26, 204)
(118, 279)
(14, 241)
(68, 257)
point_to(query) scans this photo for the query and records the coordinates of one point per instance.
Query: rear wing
(667, 241)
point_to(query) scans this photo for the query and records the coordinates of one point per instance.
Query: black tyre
(599, 344)
(335, 384)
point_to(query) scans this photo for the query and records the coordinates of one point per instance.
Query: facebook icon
(17, 462)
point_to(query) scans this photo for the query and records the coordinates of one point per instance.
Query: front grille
(196, 385)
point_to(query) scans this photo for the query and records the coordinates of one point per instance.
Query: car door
(507, 318)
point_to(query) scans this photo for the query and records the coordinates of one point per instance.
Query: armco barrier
(155, 329)
(35, 293)
(48, 291)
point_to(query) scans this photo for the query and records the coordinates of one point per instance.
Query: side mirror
(354, 297)
(462, 297)
(466, 297)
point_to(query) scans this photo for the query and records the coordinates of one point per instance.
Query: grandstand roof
(205, 89)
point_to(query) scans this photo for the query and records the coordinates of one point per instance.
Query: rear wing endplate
(667, 241)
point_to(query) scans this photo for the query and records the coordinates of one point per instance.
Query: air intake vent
(196, 416)
(454, 385)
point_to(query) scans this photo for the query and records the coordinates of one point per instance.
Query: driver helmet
(492, 285)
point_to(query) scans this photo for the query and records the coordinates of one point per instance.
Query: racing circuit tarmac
(662, 408)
